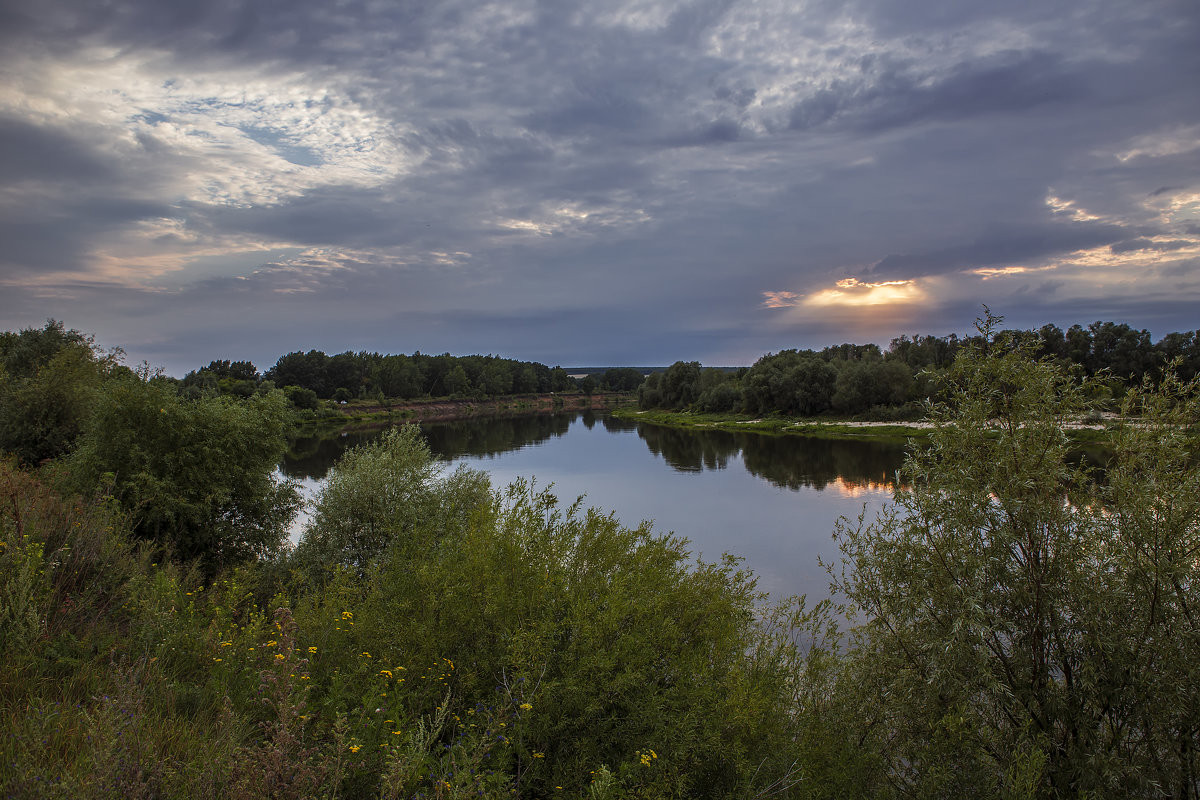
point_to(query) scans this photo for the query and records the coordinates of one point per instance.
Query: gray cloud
(619, 181)
(1015, 83)
(1132, 245)
(999, 248)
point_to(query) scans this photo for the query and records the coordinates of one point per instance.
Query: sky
(616, 182)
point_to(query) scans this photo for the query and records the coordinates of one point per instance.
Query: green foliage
(304, 399)
(719, 399)
(48, 379)
(456, 382)
(416, 375)
(863, 384)
(382, 493)
(680, 384)
(622, 379)
(1028, 630)
(789, 382)
(592, 643)
(197, 475)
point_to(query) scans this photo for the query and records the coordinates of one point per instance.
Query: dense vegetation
(1017, 625)
(348, 375)
(852, 379)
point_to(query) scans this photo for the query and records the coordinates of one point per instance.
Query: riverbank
(447, 409)
(914, 430)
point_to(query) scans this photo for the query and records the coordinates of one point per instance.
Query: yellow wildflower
(526, 706)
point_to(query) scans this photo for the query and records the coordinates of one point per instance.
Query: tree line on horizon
(846, 379)
(854, 379)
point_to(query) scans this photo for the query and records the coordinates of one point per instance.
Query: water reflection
(772, 500)
(789, 462)
(311, 457)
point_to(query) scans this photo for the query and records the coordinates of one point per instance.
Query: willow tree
(1030, 626)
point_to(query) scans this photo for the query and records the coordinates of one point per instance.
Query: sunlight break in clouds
(1060, 206)
(853, 292)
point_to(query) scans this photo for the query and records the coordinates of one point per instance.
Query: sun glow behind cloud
(853, 292)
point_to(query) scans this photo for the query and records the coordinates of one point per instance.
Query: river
(773, 501)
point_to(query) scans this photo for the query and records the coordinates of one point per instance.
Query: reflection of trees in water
(489, 436)
(791, 462)
(690, 450)
(618, 425)
(797, 462)
(313, 456)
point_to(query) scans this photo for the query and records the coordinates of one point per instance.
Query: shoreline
(1083, 432)
(446, 409)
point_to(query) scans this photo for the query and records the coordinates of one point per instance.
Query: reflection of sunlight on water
(859, 488)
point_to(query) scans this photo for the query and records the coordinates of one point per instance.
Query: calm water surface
(770, 500)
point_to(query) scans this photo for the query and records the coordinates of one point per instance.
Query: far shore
(1085, 430)
(447, 409)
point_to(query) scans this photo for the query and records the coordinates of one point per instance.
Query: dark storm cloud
(266, 30)
(1016, 83)
(43, 153)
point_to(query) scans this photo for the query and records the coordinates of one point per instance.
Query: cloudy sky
(609, 182)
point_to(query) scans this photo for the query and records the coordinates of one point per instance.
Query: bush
(196, 476)
(1030, 630)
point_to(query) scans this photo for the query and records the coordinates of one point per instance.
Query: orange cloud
(853, 292)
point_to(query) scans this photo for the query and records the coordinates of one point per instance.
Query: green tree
(49, 378)
(650, 392)
(623, 379)
(456, 383)
(302, 398)
(380, 493)
(195, 475)
(495, 378)
(680, 384)
(1028, 630)
(789, 382)
(863, 384)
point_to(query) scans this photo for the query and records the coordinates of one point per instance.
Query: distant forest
(310, 377)
(853, 379)
(845, 379)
